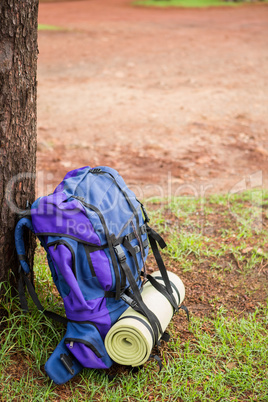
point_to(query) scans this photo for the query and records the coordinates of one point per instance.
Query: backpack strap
(174, 288)
(25, 269)
(118, 283)
(184, 308)
(154, 239)
(133, 251)
(24, 280)
(139, 305)
(135, 213)
(19, 242)
(163, 290)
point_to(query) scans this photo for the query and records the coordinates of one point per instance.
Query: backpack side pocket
(86, 344)
(62, 366)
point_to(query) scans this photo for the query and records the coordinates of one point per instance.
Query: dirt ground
(174, 99)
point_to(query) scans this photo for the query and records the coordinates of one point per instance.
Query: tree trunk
(18, 65)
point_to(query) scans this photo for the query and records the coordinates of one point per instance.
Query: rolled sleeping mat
(130, 340)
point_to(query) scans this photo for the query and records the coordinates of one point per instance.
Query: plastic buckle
(145, 243)
(120, 253)
(137, 249)
(128, 300)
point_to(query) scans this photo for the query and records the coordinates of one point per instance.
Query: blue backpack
(96, 236)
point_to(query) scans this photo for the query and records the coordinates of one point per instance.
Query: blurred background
(173, 98)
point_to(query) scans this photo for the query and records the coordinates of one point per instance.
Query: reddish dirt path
(171, 98)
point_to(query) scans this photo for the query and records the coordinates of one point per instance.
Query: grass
(221, 254)
(45, 27)
(186, 3)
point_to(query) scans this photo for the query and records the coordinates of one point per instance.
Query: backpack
(96, 236)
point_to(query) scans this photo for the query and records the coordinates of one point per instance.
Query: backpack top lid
(86, 200)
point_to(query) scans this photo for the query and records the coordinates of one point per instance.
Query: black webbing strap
(50, 314)
(146, 217)
(109, 243)
(120, 277)
(165, 337)
(131, 206)
(145, 243)
(133, 253)
(155, 238)
(136, 296)
(139, 239)
(158, 359)
(140, 307)
(184, 308)
(131, 236)
(162, 289)
(134, 370)
(173, 286)
(135, 213)
(123, 280)
(116, 270)
(22, 296)
(89, 260)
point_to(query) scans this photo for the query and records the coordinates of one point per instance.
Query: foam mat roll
(129, 341)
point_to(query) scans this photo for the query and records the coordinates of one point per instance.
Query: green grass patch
(224, 359)
(184, 3)
(218, 246)
(45, 27)
(215, 228)
(187, 3)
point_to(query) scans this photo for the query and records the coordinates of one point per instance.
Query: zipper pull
(96, 170)
(71, 344)
(55, 247)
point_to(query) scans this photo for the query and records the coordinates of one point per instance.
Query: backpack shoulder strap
(23, 279)
(19, 242)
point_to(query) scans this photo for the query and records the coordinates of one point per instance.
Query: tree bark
(18, 87)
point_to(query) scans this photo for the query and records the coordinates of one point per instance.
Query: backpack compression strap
(99, 171)
(23, 279)
(154, 239)
(138, 304)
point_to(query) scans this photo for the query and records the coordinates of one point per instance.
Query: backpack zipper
(94, 246)
(71, 341)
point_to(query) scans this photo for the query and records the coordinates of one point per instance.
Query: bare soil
(174, 99)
